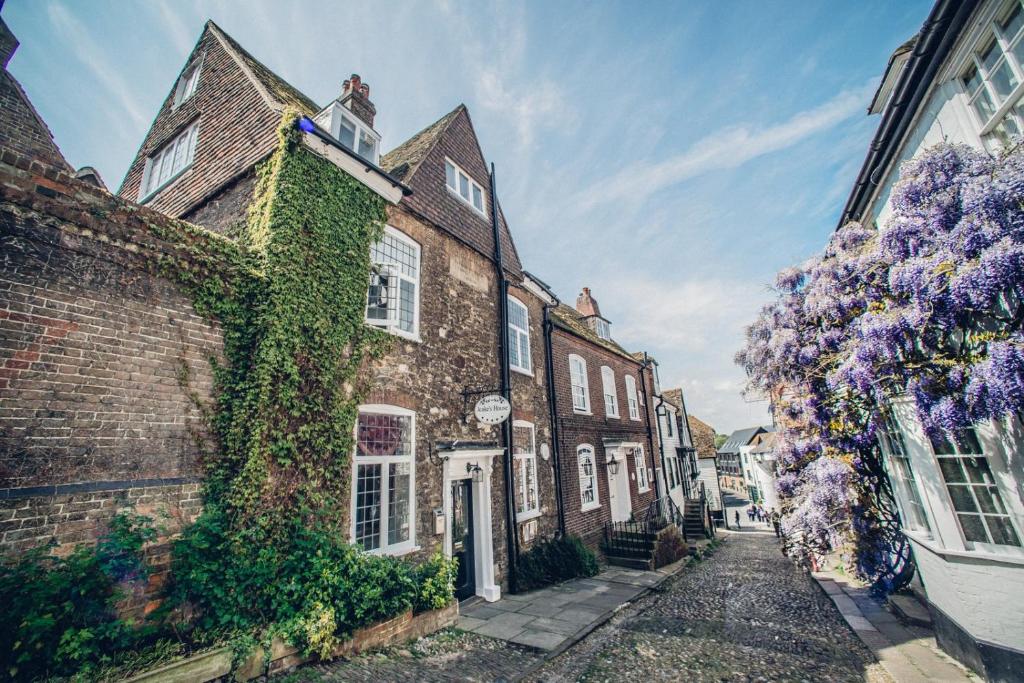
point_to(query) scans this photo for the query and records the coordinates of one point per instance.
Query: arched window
(611, 397)
(631, 399)
(383, 481)
(580, 389)
(589, 497)
(393, 299)
(519, 336)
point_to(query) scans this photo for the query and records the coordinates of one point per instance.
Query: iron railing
(634, 538)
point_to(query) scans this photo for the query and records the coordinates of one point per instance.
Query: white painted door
(618, 491)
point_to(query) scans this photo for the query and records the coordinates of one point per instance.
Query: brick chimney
(356, 96)
(8, 43)
(587, 305)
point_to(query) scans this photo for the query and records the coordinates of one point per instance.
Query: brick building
(604, 409)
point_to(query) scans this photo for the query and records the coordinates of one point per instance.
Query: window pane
(989, 56)
(478, 198)
(406, 305)
(974, 529)
(398, 502)
(513, 347)
(377, 297)
(972, 81)
(347, 134)
(524, 351)
(989, 500)
(367, 146)
(380, 434)
(464, 186)
(951, 470)
(1011, 25)
(368, 506)
(1003, 80)
(449, 174)
(393, 251)
(977, 470)
(962, 499)
(1018, 50)
(1002, 530)
(982, 104)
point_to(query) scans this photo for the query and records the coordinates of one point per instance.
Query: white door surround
(458, 465)
(619, 501)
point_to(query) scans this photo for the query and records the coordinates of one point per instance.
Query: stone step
(631, 562)
(910, 610)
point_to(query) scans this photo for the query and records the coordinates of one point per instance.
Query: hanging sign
(492, 409)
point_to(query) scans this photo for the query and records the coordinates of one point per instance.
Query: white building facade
(961, 498)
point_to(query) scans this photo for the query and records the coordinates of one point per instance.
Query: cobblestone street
(743, 614)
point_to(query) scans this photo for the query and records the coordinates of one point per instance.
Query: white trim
(534, 287)
(180, 94)
(632, 399)
(392, 323)
(189, 136)
(520, 333)
(455, 468)
(331, 117)
(409, 545)
(521, 491)
(470, 183)
(611, 409)
(585, 385)
(357, 169)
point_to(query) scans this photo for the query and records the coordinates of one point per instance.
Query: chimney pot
(355, 95)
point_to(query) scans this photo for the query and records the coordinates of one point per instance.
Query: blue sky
(671, 156)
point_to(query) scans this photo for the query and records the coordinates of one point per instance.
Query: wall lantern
(477, 472)
(613, 466)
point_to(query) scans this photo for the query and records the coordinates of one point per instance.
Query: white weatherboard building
(960, 80)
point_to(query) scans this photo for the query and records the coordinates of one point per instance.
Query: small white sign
(493, 409)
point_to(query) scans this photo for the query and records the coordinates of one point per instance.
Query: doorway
(462, 538)
(618, 488)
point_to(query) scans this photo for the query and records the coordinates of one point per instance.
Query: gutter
(650, 432)
(938, 35)
(553, 409)
(511, 537)
(307, 125)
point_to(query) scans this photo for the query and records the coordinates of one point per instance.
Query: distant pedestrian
(776, 523)
(751, 512)
(737, 519)
(761, 516)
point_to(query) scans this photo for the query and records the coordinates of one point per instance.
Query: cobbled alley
(745, 613)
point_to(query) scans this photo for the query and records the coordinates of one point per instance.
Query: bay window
(383, 479)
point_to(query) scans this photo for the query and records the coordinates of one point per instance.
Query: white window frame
(185, 143)
(1006, 108)
(583, 384)
(394, 272)
(384, 461)
(458, 175)
(518, 336)
(643, 480)
(609, 391)
(188, 83)
(590, 453)
(522, 461)
(906, 489)
(603, 328)
(341, 113)
(632, 400)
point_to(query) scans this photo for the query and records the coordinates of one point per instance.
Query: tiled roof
(279, 89)
(402, 161)
(764, 443)
(740, 438)
(568, 318)
(674, 396)
(703, 437)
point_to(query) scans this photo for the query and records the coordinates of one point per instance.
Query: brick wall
(576, 429)
(101, 360)
(21, 128)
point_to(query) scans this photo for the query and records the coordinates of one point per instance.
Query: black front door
(462, 537)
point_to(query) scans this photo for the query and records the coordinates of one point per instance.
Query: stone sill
(215, 664)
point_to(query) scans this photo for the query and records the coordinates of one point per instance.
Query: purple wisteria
(928, 306)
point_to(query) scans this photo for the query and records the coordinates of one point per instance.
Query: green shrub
(435, 583)
(60, 614)
(669, 547)
(554, 560)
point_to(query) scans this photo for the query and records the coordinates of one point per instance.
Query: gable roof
(419, 163)
(21, 126)
(674, 396)
(571, 320)
(764, 443)
(703, 436)
(281, 93)
(740, 438)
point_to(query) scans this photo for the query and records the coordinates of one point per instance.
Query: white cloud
(722, 149)
(90, 54)
(174, 27)
(528, 107)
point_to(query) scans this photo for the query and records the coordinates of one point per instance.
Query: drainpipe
(511, 539)
(650, 433)
(553, 409)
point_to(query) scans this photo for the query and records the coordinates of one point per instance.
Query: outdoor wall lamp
(476, 471)
(613, 466)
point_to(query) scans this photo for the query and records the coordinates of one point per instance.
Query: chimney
(356, 96)
(8, 43)
(587, 305)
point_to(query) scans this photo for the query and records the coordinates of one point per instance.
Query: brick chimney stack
(8, 43)
(587, 305)
(356, 96)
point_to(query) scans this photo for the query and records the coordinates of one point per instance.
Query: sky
(671, 156)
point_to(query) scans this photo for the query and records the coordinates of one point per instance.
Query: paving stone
(470, 623)
(541, 609)
(483, 611)
(555, 625)
(544, 640)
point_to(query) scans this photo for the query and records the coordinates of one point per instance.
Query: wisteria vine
(928, 306)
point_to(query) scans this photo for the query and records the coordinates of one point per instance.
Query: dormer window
(603, 329)
(464, 187)
(351, 132)
(187, 84)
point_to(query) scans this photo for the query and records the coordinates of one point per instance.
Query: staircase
(629, 544)
(693, 520)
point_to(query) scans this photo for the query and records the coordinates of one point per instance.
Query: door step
(630, 562)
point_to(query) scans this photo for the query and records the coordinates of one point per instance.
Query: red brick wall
(576, 429)
(236, 129)
(100, 361)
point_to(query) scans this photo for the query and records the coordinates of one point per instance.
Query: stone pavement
(553, 618)
(909, 653)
